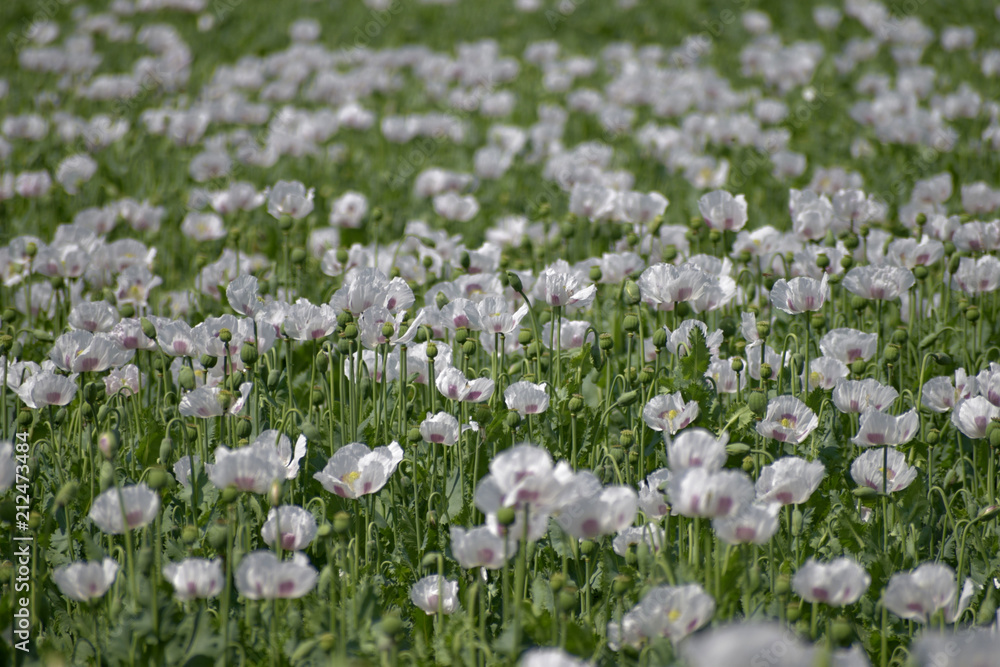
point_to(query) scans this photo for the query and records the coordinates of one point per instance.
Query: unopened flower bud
(515, 282)
(630, 294)
(67, 493)
(107, 442)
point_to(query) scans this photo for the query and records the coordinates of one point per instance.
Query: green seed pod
(185, 378)
(243, 428)
(431, 351)
(60, 417)
(350, 331)
(413, 435)
(757, 401)
(793, 611)
(440, 300)
(606, 342)
(865, 492)
(646, 375)
(157, 478)
(506, 516)
(753, 578)
(217, 535)
(841, 628)
(512, 419)
(327, 641)
(747, 464)
(324, 531)
(621, 584)
(24, 417)
(891, 353)
(618, 454)
(249, 354)
(933, 436)
(524, 337)
(818, 321)
(595, 274)
(972, 314)
(782, 584)
(575, 404)
(587, 547)
(858, 303)
(87, 412)
(391, 625)
(189, 535)
(230, 494)
(557, 581)
(190, 433)
(630, 323)
(469, 347)
(298, 256)
(765, 371)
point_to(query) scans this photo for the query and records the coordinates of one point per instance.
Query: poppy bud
(107, 442)
(506, 516)
(993, 434)
(189, 535)
(107, 476)
(793, 611)
(595, 274)
(865, 492)
(413, 435)
(796, 521)
(514, 282)
(757, 401)
(568, 599)
(512, 419)
(273, 377)
(630, 294)
(631, 323)
(628, 398)
(67, 493)
(341, 522)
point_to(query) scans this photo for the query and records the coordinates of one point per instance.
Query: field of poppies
(522, 332)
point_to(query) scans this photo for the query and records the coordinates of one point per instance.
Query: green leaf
(695, 362)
